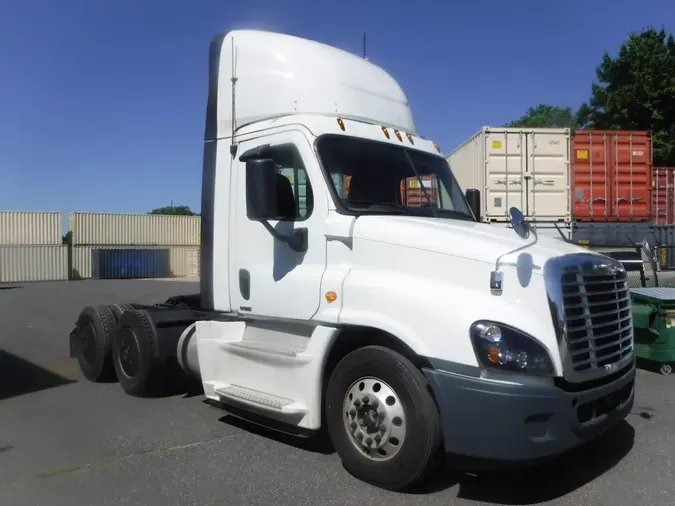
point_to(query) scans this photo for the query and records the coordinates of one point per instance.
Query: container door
(547, 178)
(663, 196)
(590, 176)
(505, 170)
(412, 194)
(631, 167)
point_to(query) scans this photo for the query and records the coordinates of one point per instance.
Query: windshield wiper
(390, 205)
(419, 179)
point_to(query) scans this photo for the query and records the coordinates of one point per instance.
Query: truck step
(269, 348)
(260, 399)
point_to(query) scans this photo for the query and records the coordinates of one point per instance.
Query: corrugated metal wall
(30, 227)
(527, 168)
(193, 263)
(179, 259)
(134, 229)
(33, 263)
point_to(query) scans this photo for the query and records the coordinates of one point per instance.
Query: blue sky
(102, 102)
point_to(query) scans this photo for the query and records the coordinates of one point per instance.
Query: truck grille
(598, 317)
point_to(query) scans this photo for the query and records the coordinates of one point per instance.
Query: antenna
(364, 46)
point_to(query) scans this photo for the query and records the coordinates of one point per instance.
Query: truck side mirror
(473, 198)
(261, 189)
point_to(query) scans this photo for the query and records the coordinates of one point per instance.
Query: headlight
(502, 348)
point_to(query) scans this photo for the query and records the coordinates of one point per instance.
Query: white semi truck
(407, 332)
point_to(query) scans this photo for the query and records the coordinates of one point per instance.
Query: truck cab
(347, 284)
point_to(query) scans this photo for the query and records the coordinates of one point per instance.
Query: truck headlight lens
(503, 348)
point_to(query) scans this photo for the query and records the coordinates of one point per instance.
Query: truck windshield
(372, 177)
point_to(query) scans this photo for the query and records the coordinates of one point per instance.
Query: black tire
(118, 309)
(95, 330)
(419, 452)
(133, 355)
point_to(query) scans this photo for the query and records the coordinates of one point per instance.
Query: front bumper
(493, 421)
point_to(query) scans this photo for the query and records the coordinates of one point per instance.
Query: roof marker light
(410, 138)
(341, 124)
(438, 148)
(386, 132)
(398, 135)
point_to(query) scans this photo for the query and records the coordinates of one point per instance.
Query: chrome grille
(598, 318)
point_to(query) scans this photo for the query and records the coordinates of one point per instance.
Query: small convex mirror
(519, 223)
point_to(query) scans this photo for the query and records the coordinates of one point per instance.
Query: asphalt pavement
(65, 441)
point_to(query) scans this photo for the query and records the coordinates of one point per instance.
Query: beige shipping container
(525, 168)
(193, 260)
(30, 227)
(134, 229)
(19, 264)
(82, 268)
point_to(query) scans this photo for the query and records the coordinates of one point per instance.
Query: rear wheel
(95, 329)
(381, 418)
(118, 309)
(133, 354)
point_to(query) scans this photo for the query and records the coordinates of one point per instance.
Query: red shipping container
(412, 194)
(663, 196)
(611, 175)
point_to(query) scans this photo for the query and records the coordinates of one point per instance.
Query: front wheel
(382, 419)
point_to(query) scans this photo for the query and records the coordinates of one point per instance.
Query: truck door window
(295, 200)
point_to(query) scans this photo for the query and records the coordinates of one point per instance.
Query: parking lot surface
(65, 441)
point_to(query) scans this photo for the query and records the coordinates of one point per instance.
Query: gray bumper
(493, 421)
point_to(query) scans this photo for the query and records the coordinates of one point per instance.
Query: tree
(174, 210)
(546, 116)
(636, 91)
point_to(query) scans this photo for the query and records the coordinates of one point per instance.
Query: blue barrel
(130, 263)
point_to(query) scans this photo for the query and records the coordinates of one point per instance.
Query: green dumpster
(654, 325)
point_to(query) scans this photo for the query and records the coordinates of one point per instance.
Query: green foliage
(546, 116)
(174, 210)
(636, 91)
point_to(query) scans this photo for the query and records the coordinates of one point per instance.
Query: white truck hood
(475, 241)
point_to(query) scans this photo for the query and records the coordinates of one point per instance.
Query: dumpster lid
(654, 294)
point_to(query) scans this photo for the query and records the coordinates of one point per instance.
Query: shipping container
(663, 196)
(134, 229)
(526, 168)
(412, 194)
(20, 264)
(30, 228)
(82, 264)
(193, 263)
(612, 175)
(130, 263)
(612, 234)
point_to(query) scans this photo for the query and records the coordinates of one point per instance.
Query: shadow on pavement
(542, 483)
(553, 479)
(9, 287)
(271, 429)
(19, 377)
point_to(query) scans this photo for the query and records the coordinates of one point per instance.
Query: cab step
(259, 399)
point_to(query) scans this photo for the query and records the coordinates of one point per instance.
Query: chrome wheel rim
(374, 418)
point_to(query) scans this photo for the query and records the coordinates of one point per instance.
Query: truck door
(268, 277)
